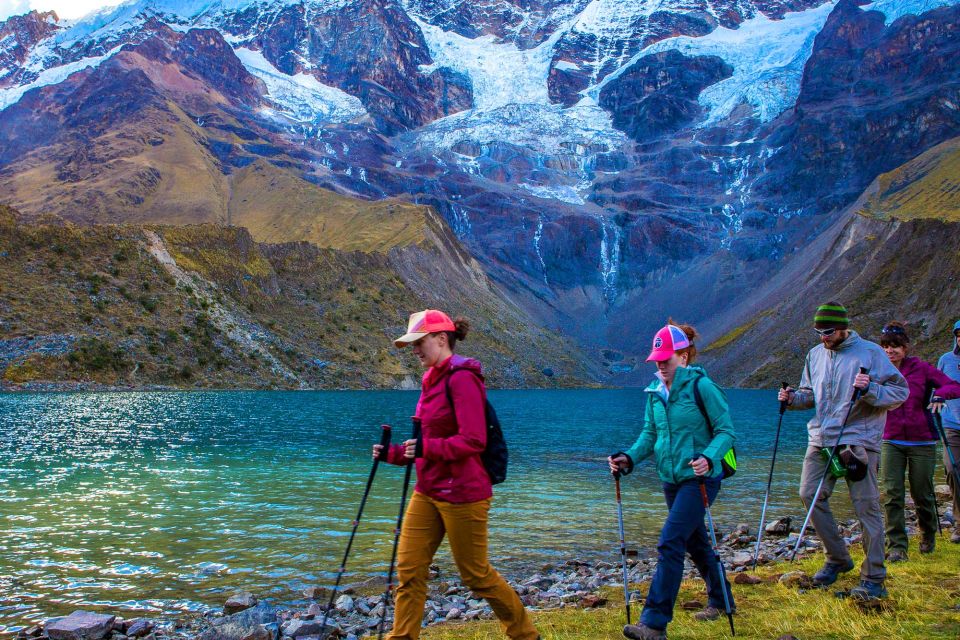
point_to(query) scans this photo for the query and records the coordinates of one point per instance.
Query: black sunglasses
(826, 333)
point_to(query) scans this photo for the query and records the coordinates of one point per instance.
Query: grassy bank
(923, 603)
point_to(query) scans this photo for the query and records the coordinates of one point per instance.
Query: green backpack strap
(730, 459)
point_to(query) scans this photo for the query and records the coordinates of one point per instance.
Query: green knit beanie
(832, 315)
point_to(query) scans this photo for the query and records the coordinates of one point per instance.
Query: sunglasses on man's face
(825, 333)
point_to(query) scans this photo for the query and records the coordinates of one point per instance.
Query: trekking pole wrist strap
(629, 468)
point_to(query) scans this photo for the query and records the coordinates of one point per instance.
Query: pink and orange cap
(424, 323)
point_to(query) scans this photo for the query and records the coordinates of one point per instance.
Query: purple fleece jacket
(910, 422)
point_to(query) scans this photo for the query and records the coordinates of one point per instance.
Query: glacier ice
(301, 97)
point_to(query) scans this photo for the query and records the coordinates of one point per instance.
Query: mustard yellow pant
(425, 524)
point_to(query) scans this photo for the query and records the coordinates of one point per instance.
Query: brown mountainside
(206, 306)
(893, 255)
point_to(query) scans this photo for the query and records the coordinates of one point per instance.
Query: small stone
(345, 604)
(796, 579)
(741, 559)
(943, 491)
(787, 636)
(692, 605)
(315, 610)
(453, 614)
(779, 527)
(592, 601)
(139, 628)
(239, 602)
(316, 593)
(747, 578)
(299, 627)
(258, 632)
(81, 625)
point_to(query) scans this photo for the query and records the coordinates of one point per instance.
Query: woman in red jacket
(453, 491)
(910, 445)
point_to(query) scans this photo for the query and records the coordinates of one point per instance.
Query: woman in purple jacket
(910, 444)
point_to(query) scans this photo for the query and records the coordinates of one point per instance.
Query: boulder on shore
(81, 625)
(238, 602)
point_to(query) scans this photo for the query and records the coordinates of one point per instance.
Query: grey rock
(81, 625)
(345, 604)
(240, 626)
(239, 602)
(298, 627)
(780, 527)
(139, 628)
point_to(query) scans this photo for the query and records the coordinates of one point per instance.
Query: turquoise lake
(167, 502)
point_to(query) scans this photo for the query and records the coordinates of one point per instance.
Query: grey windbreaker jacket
(827, 384)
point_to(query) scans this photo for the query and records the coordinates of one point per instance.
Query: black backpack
(729, 462)
(494, 457)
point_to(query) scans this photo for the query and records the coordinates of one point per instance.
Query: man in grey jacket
(949, 363)
(831, 373)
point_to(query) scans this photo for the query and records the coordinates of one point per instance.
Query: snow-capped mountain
(598, 156)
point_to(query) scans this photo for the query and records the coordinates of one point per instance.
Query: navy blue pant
(683, 532)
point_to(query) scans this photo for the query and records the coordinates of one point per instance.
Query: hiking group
(876, 421)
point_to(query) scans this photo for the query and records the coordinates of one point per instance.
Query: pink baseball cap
(424, 323)
(667, 341)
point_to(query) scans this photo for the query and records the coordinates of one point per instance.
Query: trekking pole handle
(385, 431)
(783, 404)
(858, 392)
(417, 428)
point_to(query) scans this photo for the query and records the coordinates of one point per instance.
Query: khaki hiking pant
(865, 496)
(425, 524)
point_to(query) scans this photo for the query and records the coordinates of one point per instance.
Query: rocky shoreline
(359, 608)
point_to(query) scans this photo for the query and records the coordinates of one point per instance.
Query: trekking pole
(396, 533)
(938, 422)
(716, 554)
(384, 444)
(826, 471)
(766, 496)
(623, 546)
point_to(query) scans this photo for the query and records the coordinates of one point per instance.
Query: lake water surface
(165, 502)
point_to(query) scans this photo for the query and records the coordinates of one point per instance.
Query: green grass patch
(924, 596)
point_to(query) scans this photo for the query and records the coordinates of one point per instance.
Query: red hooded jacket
(451, 469)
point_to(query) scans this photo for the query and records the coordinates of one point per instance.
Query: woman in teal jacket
(690, 441)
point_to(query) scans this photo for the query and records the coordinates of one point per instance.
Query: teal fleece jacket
(675, 431)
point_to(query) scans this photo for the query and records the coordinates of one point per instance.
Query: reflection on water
(164, 502)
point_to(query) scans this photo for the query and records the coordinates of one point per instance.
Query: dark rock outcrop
(18, 35)
(657, 95)
(873, 96)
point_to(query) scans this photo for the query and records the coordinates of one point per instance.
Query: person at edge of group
(687, 453)
(910, 444)
(949, 364)
(453, 493)
(830, 375)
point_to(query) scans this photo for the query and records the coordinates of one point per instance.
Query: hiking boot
(829, 573)
(955, 536)
(899, 555)
(928, 544)
(709, 613)
(867, 590)
(643, 632)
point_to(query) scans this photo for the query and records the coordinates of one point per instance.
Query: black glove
(629, 468)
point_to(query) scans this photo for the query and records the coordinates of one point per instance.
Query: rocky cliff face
(892, 255)
(609, 159)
